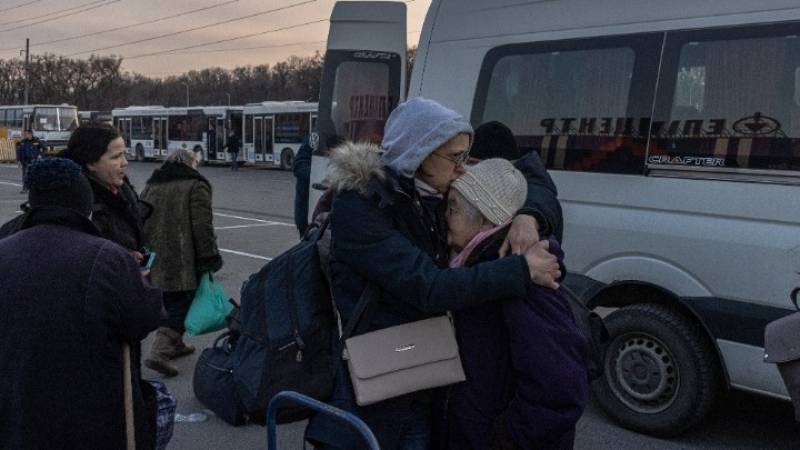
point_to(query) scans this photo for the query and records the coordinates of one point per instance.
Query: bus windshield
(55, 119)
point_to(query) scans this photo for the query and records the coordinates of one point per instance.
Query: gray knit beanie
(415, 129)
(495, 188)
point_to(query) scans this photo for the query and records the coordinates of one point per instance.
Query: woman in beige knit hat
(525, 358)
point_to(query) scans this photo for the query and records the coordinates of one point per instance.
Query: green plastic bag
(209, 308)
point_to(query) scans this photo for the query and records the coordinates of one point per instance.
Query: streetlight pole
(27, 73)
(187, 94)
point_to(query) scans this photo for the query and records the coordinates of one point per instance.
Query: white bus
(672, 130)
(151, 132)
(274, 131)
(52, 124)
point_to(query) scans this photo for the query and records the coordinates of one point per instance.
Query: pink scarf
(460, 259)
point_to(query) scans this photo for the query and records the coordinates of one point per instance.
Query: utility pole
(187, 93)
(27, 64)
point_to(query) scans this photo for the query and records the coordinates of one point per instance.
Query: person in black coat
(117, 211)
(302, 174)
(388, 229)
(234, 145)
(495, 140)
(29, 149)
(71, 299)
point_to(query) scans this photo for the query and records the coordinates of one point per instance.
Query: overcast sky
(49, 20)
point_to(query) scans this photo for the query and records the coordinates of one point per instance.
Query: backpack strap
(293, 317)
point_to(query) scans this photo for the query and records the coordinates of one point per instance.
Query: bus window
(584, 105)
(54, 119)
(729, 100)
(68, 119)
(291, 128)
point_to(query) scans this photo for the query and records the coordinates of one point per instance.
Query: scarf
(461, 258)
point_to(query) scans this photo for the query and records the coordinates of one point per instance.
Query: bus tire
(139, 152)
(287, 159)
(661, 374)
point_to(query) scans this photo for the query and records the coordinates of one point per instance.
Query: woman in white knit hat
(525, 358)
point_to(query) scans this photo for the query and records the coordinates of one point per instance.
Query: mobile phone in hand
(147, 261)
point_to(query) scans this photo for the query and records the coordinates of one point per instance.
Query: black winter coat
(542, 200)
(70, 299)
(119, 217)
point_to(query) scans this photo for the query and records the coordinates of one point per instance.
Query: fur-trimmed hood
(353, 165)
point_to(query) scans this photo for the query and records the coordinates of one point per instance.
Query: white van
(672, 130)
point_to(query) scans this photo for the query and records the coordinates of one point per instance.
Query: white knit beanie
(495, 187)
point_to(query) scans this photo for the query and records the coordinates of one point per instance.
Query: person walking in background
(71, 300)
(29, 149)
(181, 233)
(525, 358)
(233, 146)
(302, 174)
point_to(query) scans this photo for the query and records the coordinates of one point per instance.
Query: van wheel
(661, 373)
(139, 152)
(287, 159)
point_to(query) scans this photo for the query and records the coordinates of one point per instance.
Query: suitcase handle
(288, 397)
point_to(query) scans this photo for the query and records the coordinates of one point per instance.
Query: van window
(360, 105)
(359, 90)
(584, 105)
(728, 100)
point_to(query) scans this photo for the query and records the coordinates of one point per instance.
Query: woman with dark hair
(117, 210)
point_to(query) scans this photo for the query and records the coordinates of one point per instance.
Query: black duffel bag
(214, 386)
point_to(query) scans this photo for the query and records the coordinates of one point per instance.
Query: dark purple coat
(69, 301)
(525, 361)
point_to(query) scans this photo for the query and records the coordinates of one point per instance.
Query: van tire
(139, 152)
(661, 374)
(287, 159)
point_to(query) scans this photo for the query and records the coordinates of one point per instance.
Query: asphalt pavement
(253, 220)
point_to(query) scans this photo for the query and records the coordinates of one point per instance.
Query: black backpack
(288, 333)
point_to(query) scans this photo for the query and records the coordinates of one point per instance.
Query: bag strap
(130, 431)
(359, 311)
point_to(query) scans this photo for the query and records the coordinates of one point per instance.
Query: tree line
(99, 83)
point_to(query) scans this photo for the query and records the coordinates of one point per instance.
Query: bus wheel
(287, 159)
(661, 374)
(139, 152)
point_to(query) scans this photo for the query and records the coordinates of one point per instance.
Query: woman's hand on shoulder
(522, 236)
(543, 265)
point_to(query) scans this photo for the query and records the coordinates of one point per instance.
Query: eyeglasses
(459, 160)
